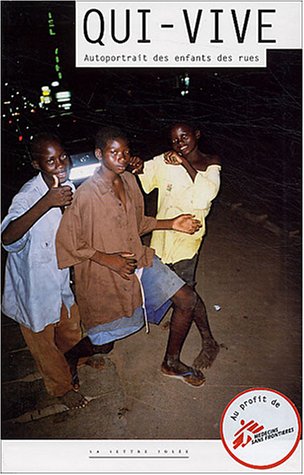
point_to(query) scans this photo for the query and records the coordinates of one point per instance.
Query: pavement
(249, 277)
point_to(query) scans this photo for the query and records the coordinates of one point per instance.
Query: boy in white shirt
(37, 294)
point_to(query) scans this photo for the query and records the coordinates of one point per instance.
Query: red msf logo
(244, 435)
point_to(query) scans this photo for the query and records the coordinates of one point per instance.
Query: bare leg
(184, 303)
(97, 361)
(210, 347)
(84, 348)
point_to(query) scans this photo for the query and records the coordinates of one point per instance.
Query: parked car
(84, 162)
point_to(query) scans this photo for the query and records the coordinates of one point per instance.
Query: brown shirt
(98, 221)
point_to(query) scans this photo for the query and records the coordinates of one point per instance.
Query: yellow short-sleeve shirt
(178, 194)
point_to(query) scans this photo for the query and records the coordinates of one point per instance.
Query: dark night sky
(250, 116)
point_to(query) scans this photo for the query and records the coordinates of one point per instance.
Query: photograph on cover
(220, 146)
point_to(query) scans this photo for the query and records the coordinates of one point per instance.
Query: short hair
(39, 141)
(174, 124)
(109, 133)
(188, 123)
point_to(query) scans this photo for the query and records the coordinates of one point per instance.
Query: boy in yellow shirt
(187, 181)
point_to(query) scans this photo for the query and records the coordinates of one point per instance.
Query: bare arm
(61, 196)
(173, 158)
(185, 223)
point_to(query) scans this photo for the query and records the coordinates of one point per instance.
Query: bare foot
(187, 374)
(105, 348)
(73, 400)
(207, 355)
(96, 362)
(72, 362)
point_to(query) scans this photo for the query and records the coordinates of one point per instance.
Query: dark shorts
(186, 269)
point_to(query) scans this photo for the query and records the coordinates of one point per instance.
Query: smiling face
(115, 156)
(184, 139)
(51, 159)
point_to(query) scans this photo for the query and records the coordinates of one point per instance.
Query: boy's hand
(173, 158)
(136, 165)
(186, 223)
(59, 196)
(123, 263)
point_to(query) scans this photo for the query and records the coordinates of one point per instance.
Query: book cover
(233, 70)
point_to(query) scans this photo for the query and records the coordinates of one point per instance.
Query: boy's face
(115, 156)
(184, 139)
(52, 160)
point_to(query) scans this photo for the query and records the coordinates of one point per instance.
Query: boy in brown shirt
(100, 236)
